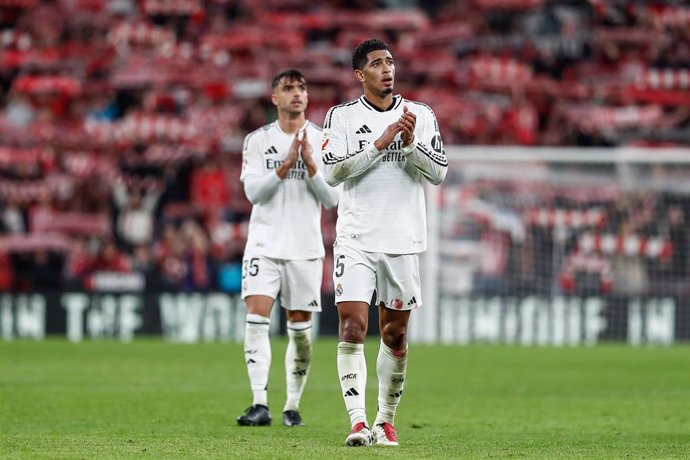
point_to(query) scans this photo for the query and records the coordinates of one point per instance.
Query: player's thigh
(354, 275)
(398, 286)
(260, 276)
(301, 287)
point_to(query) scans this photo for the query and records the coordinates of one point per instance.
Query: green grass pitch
(150, 399)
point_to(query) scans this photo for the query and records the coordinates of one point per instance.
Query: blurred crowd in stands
(121, 121)
(569, 233)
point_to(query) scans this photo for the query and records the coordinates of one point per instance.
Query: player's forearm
(260, 189)
(312, 169)
(327, 195)
(432, 164)
(338, 169)
(283, 170)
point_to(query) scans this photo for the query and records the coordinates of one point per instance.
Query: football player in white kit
(381, 147)
(284, 252)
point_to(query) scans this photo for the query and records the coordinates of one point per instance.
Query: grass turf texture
(150, 399)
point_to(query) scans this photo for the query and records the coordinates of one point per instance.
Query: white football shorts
(297, 281)
(395, 277)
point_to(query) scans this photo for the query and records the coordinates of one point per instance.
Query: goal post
(558, 246)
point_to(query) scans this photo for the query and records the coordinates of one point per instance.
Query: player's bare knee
(394, 336)
(298, 316)
(353, 331)
(259, 305)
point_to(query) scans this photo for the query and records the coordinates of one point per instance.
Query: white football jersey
(381, 206)
(286, 222)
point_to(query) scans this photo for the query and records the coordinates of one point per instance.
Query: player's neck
(291, 124)
(382, 102)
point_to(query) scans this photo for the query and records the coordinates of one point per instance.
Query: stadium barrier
(178, 317)
(198, 317)
(560, 321)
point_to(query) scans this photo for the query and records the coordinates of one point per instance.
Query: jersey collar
(304, 126)
(397, 99)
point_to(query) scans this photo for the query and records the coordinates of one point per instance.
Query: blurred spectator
(629, 270)
(678, 236)
(13, 218)
(18, 111)
(137, 206)
(490, 277)
(169, 256)
(46, 270)
(670, 275)
(200, 273)
(104, 107)
(6, 272)
(110, 259)
(80, 259)
(208, 188)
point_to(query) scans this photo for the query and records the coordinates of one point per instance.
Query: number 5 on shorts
(339, 266)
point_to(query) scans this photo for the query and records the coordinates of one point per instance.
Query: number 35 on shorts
(250, 267)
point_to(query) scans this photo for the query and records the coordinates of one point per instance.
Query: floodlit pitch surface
(150, 399)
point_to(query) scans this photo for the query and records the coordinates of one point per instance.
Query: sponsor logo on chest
(392, 153)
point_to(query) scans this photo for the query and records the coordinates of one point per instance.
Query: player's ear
(274, 99)
(359, 75)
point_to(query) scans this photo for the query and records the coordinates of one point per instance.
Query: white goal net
(558, 246)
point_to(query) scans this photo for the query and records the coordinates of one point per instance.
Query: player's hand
(387, 136)
(307, 153)
(293, 153)
(291, 158)
(408, 122)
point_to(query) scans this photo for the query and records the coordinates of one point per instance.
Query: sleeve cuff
(314, 178)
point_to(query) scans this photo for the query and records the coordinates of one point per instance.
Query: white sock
(297, 360)
(390, 368)
(352, 371)
(257, 355)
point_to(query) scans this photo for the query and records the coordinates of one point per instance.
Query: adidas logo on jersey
(271, 151)
(352, 392)
(363, 130)
(413, 301)
(313, 303)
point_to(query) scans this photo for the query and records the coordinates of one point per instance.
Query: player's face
(291, 96)
(378, 75)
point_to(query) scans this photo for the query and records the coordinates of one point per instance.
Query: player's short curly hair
(289, 75)
(359, 54)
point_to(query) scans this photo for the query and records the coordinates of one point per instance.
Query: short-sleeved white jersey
(287, 224)
(381, 207)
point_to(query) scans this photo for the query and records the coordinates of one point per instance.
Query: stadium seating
(159, 95)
